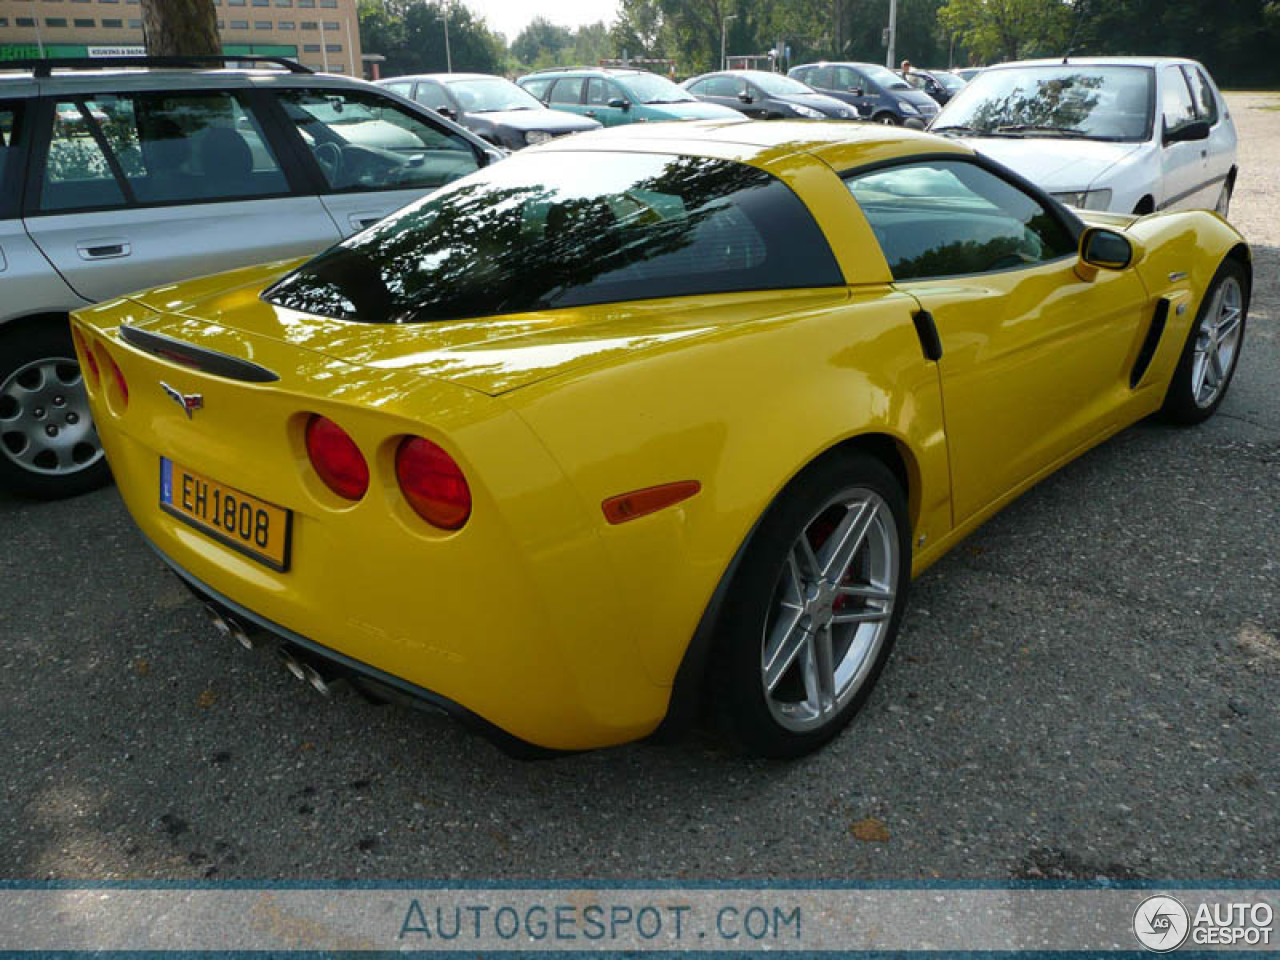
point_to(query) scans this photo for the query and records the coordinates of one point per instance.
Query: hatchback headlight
(1085, 199)
(804, 111)
(908, 108)
(534, 137)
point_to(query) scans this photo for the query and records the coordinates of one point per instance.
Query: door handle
(591, 114)
(103, 249)
(363, 221)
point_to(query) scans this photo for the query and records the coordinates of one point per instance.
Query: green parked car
(615, 97)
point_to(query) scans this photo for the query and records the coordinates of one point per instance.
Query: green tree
(540, 41)
(1010, 29)
(410, 34)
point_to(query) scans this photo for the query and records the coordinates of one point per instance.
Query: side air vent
(1148, 350)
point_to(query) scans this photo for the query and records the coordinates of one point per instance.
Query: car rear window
(9, 117)
(554, 230)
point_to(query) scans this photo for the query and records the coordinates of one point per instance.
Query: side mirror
(856, 91)
(447, 112)
(619, 104)
(1103, 249)
(1197, 130)
(746, 97)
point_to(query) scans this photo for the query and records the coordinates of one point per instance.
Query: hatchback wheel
(814, 608)
(888, 119)
(49, 447)
(1212, 350)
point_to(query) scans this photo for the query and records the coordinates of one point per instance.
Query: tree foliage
(1235, 40)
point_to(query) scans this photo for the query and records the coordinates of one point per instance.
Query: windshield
(568, 229)
(949, 80)
(491, 95)
(335, 111)
(651, 88)
(776, 85)
(1097, 103)
(884, 77)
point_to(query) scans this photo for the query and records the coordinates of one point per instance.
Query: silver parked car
(114, 180)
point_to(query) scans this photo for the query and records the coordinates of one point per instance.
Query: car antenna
(1075, 31)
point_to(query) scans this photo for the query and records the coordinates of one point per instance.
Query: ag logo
(1161, 923)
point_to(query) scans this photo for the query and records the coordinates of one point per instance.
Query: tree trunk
(175, 28)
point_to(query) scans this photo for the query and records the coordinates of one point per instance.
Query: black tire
(32, 352)
(1181, 403)
(736, 671)
(888, 119)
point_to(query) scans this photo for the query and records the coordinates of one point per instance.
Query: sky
(509, 17)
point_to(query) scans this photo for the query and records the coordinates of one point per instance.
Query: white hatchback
(1126, 134)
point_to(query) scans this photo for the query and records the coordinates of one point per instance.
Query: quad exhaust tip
(297, 664)
(303, 670)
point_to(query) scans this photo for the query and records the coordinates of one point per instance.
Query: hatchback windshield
(775, 84)
(569, 229)
(491, 95)
(1095, 103)
(886, 78)
(651, 88)
(950, 81)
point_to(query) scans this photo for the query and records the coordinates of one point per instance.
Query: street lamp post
(448, 56)
(724, 27)
(893, 34)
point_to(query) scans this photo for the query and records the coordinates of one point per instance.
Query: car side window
(538, 87)
(598, 93)
(944, 218)
(847, 79)
(10, 118)
(1175, 100)
(432, 95)
(365, 141)
(404, 88)
(721, 87)
(823, 78)
(1206, 103)
(156, 148)
(568, 90)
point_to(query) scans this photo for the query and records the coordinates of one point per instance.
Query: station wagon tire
(1212, 350)
(813, 609)
(49, 448)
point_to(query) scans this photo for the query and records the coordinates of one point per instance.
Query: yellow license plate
(243, 522)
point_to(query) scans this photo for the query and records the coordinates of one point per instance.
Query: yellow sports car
(646, 415)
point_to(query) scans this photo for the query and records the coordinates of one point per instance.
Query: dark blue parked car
(876, 92)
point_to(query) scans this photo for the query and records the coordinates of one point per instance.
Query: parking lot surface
(1085, 688)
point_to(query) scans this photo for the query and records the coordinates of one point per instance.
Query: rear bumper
(341, 666)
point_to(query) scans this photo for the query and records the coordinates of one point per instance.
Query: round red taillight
(336, 458)
(433, 483)
(90, 360)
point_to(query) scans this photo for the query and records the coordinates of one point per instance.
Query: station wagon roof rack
(45, 67)
(588, 66)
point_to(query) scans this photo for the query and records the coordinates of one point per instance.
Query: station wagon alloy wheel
(45, 424)
(831, 610)
(1217, 342)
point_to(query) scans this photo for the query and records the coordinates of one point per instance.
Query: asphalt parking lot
(1085, 688)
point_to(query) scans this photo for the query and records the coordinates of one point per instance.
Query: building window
(222, 24)
(239, 24)
(26, 22)
(135, 24)
(113, 24)
(262, 24)
(311, 48)
(4, 21)
(55, 21)
(331, 4)
(85, 22)
(332, 25)
(310, 25)
(287, 25)
(306, 3)
(108, 1)
(284, 3)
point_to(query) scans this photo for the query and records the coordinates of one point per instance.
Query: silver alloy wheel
(1217, 343)
(45, 425)
(831, 609)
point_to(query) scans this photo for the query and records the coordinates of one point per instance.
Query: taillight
(336, 458)
(90, 360)
(433, 483)
(121, 383)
